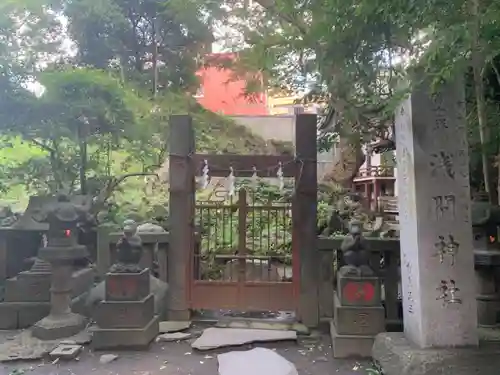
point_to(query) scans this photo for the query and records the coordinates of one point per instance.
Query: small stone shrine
(126, 317)
(359, 314)
(62, 249)
(485, 222)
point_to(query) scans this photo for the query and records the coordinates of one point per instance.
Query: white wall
(281, 128)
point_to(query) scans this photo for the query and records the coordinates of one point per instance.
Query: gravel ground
(311, 356)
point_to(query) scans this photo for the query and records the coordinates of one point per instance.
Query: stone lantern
(63, 218)
(485, 222)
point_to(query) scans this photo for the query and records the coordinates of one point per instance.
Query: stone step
(350, 346)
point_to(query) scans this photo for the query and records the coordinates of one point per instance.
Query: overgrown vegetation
(85, 108)
(355, 55)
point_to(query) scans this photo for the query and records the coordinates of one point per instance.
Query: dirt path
(311, 356)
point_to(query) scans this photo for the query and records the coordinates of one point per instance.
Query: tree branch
(106, 193)
(43, 146)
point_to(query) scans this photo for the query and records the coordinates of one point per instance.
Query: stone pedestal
(359, 316)
(61, 321)
(437, 260)
(126, 318)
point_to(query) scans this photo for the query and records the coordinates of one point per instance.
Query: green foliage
(124, 33)
(94, 128)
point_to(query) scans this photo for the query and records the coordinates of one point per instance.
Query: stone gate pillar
(437, 260)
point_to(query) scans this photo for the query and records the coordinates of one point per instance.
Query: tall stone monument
(437, 259)
(63, 218)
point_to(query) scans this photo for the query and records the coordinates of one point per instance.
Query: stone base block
(15, 315)
(359, 291)
(28, 287)
(83, 281)
(125, 338)
(350, 346)
(125, 314)
(487, 310)
(57, 327)
(35, 287)
(157, 287)
(127, 286)
(397, 356)
(355, 320)
(63, 253)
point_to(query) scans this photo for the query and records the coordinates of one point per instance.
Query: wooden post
(242, 234)
(103, 251)
(163, 250)
(182, 199)
(304, 218)
(325, 293)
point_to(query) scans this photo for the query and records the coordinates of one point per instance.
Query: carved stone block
(125, 338)
(359, 291)
(127, 286)
(355, 320)
(28, 287)
(125, 314)
(35, 287)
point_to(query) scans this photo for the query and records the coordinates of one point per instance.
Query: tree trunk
(477, 67)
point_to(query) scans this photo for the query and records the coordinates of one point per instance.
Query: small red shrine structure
(375, 182)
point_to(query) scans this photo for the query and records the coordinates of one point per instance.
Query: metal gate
(244, 259)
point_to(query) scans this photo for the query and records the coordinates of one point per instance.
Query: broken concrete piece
(65, 351)
(212, 338)
(107, 358)
(256, 361)
(175, 336)
(174, 326)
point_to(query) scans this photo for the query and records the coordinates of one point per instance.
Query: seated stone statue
(355, 253)
(129, 250)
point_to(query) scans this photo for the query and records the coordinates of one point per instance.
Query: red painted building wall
(220, 92)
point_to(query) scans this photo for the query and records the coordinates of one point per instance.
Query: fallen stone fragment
(176, 336)
(212, 338)
(66, 351)
(107, 358)
(259, 324)
(259, 361)
(174, 326)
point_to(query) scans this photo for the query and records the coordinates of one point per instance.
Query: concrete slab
(397, 356)
(212, 338)
(260, 361)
